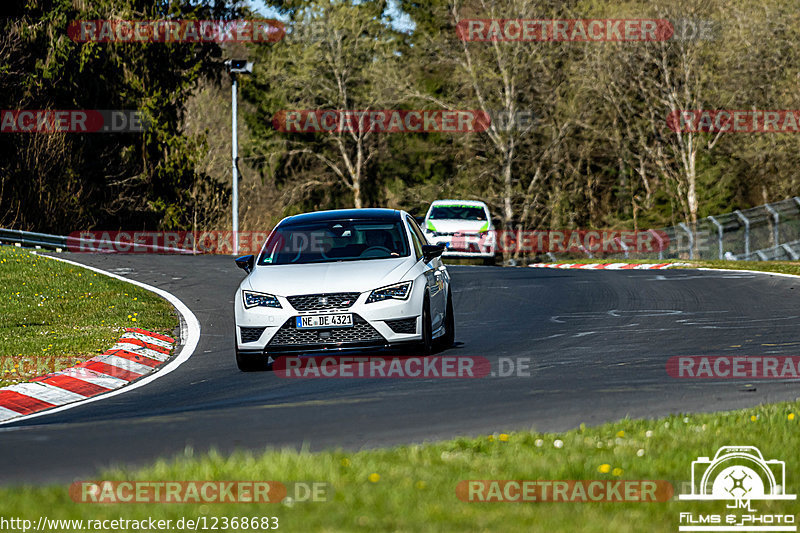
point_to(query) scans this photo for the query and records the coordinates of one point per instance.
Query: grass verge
(55, 314)
(412, 488)
(783, 267)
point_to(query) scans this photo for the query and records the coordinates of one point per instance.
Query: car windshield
(458, 212)
(334, 240)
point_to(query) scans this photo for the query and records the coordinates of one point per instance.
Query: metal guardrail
(61, 243)
(32, 239)
(768, 232)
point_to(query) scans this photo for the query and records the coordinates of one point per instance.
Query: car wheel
(489, 261)
(251, 363)
(426, 344)
(449, 336)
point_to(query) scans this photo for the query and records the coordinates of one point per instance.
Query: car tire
(489, 261)
(251, 363)
(426, 344)
(449, 338)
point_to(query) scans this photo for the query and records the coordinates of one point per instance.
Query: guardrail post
(685, 228)
(623, 246)
(719, 233)
(746, 231)
(658, 238)
(777, 218)
(791, 252)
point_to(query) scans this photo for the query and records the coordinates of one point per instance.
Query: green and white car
(464, 226)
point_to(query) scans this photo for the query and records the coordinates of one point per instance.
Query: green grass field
(413, 488)
(55, 314)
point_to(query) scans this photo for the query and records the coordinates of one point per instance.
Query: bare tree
(337, 60)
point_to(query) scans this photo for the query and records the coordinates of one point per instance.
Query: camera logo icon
(738, 473)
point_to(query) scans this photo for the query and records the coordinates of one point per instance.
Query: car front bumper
(377, 324)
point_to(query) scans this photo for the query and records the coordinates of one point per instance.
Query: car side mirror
(432, 251)
(246, 262)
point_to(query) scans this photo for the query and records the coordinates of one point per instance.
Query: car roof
(476, 203)
(345, 214)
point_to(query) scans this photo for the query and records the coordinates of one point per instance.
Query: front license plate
(324, 321)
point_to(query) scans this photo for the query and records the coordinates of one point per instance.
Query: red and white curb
(114, 384)
(136, 354)
(607, 266)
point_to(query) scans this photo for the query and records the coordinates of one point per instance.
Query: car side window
(415, 237)
(417, 231)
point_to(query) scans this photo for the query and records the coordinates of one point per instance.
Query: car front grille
(361, 331)
(251, 334)
(403, 325)
(323, 302)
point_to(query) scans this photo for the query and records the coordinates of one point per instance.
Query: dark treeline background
(597, 154)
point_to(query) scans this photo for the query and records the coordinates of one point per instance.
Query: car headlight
(399, 291)
(259, 299)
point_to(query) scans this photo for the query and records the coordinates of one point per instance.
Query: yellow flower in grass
(616, 472)
(374, 477)
(620, 433)
(791, 416)
(753, 418)
(503, 437)
(604, 468)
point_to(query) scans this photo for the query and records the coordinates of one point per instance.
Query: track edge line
(189, 338)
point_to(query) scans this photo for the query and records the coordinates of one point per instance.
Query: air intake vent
(403, 325)
(251, 334)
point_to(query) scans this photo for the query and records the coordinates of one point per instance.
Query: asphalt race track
(598, 343)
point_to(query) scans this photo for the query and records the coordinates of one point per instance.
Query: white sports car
(464, 226)
(344, 279)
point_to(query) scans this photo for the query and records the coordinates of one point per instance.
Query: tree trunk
(508, 210)
(357, 192)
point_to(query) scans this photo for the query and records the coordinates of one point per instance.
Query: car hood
(452, 226)
(315, 278)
